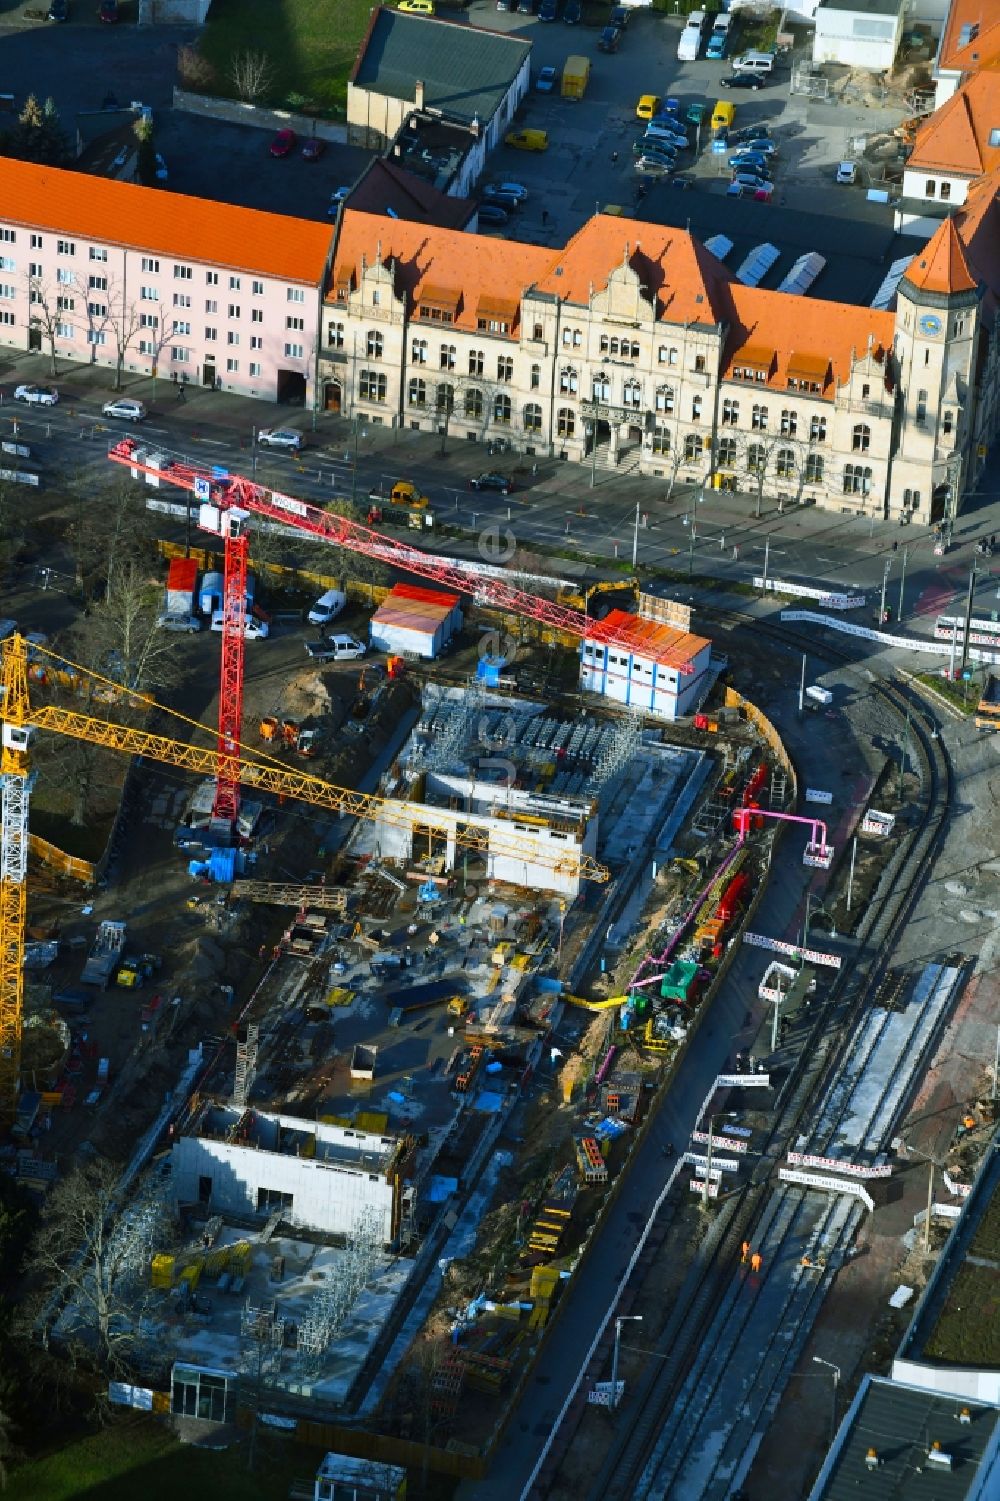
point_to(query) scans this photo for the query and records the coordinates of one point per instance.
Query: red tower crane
(232, 497)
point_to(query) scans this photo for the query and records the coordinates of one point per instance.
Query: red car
(283, 143)
(313, 149)
(109, 11)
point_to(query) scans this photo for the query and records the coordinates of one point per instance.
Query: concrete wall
(332, 1200)
(856, 39)
(235, 112)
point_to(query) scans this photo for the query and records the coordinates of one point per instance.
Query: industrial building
(327, 1179)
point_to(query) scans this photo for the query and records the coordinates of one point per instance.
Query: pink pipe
(636, 983)
(742, 818)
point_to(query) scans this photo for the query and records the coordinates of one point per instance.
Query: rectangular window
(256, 342)
(146, 346)
(211, 278)
(7, 263)
(297, 324)
(149, 264)
(211, 306)
(182, 273)
(234, 284)
(8, 236)
(64, 330)
(64, 278)
(65, 304)
(181, 328)
(97, 336)
(182, 299)
(256, 315)
(148, 294)
(97, 253)
(66, 247)
(7, 291)
(97, 309)
(211, 334)
(296, 294)
(257, 288)
(294, 352)
(98, 283)
(180, 356)
(149, 320)
(8, 318)
(36, 242)
(234, 310)
(232, 366)
(254, 368)
(232, 338)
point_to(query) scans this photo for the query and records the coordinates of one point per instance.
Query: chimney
(938, 1457)
(872, 1459)
(418, 93)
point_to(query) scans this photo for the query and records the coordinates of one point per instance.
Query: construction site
(392, 966)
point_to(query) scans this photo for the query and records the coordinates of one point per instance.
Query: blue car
(750, 161)
(546, 81)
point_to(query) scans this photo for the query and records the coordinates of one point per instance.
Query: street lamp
(810, 910)
(932, 1163)
(885, 580)
(357, 433)
(622, 1318)
(836, 1382)
(720, 1115)
(691, 522)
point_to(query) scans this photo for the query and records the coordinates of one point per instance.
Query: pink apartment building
(109, 273)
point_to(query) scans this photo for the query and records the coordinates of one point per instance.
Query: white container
(819, 695)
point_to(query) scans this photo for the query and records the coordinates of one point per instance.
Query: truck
(415, 997)
(689, 45)
(178, 612)
(988, 708)
(105, 956)
(575, 77)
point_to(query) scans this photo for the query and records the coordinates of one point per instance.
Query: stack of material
(553, 1219)
(415, 620)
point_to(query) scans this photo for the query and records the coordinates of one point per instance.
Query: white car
(280, 437)
(508, 189)
(125, 408)
(253, 629)
(37, 396)
(327, 607)
(847, 174)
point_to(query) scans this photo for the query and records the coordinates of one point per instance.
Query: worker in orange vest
(756, 1261)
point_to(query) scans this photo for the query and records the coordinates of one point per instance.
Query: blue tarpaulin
(441, 1189)
(488, 1102)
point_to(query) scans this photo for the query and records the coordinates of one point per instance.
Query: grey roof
(901, 1423)
(864, 7)
(465, 72)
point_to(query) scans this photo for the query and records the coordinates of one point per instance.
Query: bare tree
(94, 1262)
(251, 74)
(48, 308)
(112, 315)
(194, 70)
(122, 639)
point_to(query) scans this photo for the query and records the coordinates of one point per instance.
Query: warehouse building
(326, 1179)
(415, 621)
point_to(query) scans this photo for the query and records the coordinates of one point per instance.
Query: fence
(280, 575)
(57, 859)
(237, 112)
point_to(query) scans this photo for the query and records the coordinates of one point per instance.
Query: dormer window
(438, 304)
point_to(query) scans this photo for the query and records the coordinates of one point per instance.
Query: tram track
(647, 1455)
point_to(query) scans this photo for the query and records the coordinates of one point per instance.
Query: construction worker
(756, 1261)
(744, 1252)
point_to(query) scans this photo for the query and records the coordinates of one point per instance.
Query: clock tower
(937, 325)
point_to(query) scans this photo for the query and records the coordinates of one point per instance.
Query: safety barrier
(57, 859)
(280, 575)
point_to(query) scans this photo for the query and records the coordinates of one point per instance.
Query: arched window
(417, 395)
(632, 393)
(373, 346)
(692, 447)
(730, 412)
(664, 398)
(473, 403)
(418, 351)
(602, 387)
(569, 381)
(565, 422)
(532, 417)
(784, 463)
(861, 437)
(501, 407)
(756, 458)
(448, 353)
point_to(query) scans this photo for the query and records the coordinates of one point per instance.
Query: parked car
(253, 629)
(125, 408)
(527, 7)
(327, 607)
(609, 39)
(647, 106)
(506, 201)
(763, 144)
(283, 143)
(645, 147)
(108, 12)
(527, 139)
(509, 190)
(492, 213)
(754, 181)
(620, 17)
(750, 161)
(285, 438)
(696, 112)
(573, 12)
(656, 132)
(187, 624)
(654, 166)
(761, 191)
(416, 7)
(491, 480)
(760, 132)
(336, 649)
(549, 10)
(59, 10)
(847, 174)
(313, 149)
(742, 81)
(37, 396)
(546, 80)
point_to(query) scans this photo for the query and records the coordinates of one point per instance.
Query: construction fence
(51, 855)
(280, 576)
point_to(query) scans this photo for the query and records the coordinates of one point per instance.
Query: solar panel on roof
(803, 273)
(887, 291)
(719, 246)
(757, 264)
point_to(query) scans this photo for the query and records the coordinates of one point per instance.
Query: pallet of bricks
(590, 1160)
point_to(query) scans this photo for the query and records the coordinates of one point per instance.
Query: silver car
(125, 408)
(280, 437)
(37, 396)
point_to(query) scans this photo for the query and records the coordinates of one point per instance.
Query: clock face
(930, 324)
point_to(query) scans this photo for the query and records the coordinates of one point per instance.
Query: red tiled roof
(386, 185)
(190, 229)
(956, 137)
(981, 49)
(816, 335)
(941, 265)
(664, 644)
(978, 226)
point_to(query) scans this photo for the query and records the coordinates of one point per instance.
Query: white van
(327, 607)
(754, 62)
(689, 45)
(253, 629)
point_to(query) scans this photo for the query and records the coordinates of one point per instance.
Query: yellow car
(405, 494)
(647, 106)
(527, 140)
(417, 7)
(723, 114)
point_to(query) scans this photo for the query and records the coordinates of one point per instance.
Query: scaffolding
(346, 1281)
(246, 1064)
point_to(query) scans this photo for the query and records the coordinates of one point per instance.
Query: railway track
(663, 1447)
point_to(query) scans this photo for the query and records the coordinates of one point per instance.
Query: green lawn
(310, 44)
(137, 1457)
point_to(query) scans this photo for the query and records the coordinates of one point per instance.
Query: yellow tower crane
(20, 718)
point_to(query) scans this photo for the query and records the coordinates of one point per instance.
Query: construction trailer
(415, 621)
(650, 667)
